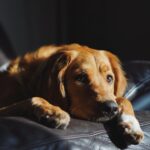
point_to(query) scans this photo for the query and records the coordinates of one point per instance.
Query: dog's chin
(102, 119)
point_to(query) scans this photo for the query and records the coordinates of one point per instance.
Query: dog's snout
(110, 107)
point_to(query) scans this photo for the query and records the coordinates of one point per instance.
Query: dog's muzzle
(109, 110)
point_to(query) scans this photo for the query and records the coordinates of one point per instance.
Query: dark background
(122, 27)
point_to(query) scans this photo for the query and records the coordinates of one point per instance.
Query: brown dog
(54, 81)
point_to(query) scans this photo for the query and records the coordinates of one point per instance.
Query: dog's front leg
(128, 123)
(124, 129)
(39, 110)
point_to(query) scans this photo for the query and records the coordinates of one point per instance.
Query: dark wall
(29, 23)
(120, 26)
(123, 27)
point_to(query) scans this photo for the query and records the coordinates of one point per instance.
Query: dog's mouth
(99, 117)
(102, 113)
(103, 117)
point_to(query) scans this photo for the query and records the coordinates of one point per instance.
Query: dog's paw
(131, 130)
(55, 119)
(50, 115)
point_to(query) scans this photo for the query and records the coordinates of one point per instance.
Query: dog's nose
(110, 107)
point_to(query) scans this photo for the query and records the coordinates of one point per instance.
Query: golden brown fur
(55, 80)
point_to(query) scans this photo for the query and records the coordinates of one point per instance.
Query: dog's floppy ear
(120, 79)
(61, 63)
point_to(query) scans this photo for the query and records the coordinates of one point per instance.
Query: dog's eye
(82, 78)
(109, 78)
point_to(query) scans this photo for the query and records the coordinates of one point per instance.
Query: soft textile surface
(3, 58)
(22, 134)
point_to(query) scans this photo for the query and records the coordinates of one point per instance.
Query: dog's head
(90, 80)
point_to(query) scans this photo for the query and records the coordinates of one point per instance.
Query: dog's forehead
(99, 56)
(92, 59)
(102, 58)
(102, 61)
(85, 59)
